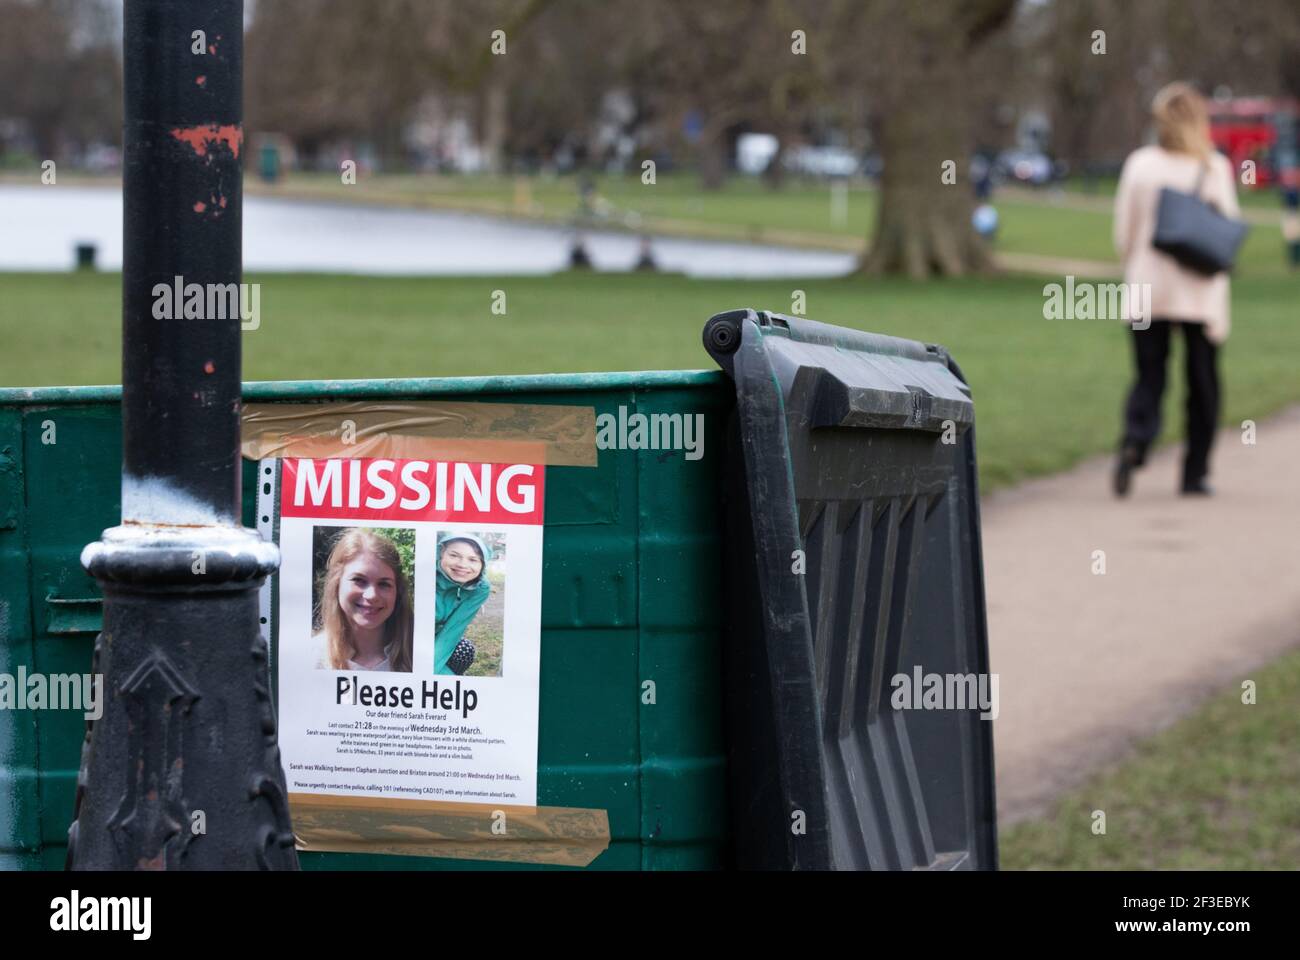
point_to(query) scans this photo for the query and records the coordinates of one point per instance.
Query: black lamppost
(183, 770)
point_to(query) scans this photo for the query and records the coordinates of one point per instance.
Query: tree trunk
(923, 224)
(774, 173)
(713, 156)
(495, 125)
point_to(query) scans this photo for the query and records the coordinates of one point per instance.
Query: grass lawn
(1049, 223)
(1217, 791)
(1252, 198)
(743, 209)
(1047, 392)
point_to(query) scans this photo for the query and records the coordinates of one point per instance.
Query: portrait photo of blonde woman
(363, 617)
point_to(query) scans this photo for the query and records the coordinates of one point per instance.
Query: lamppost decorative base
(182, 770)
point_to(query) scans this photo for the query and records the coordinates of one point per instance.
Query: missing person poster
(408, 627)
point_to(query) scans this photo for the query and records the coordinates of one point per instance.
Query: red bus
(1263, 129)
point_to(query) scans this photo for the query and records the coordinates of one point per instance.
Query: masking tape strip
(552, 434)
(565, 836)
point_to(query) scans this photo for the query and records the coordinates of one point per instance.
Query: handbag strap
(1200, 178)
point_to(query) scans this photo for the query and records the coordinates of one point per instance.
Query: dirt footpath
(1196, 594)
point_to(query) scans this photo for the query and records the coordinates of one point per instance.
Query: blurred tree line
(585, 83)
(60, 74)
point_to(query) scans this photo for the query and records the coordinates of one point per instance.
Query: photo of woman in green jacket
(463, 588)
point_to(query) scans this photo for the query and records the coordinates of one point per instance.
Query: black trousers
(1142, 411)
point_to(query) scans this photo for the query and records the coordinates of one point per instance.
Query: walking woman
(1182, 299)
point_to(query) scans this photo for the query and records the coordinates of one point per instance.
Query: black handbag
(1194, 233)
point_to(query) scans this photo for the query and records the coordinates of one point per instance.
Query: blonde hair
(1182, 120)
(398, 629)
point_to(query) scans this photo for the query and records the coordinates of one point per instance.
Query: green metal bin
(630, 592)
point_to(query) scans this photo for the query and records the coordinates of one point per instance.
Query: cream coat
(1176, 292)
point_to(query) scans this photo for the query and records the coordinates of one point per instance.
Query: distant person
(364, 615)
(1180, 298)
(1291, 222)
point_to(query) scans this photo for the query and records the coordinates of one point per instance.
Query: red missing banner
(412, 490)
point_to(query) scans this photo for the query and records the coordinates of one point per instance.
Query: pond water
(40, 227)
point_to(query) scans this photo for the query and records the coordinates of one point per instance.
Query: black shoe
(1197, 488)
(1129, 460)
